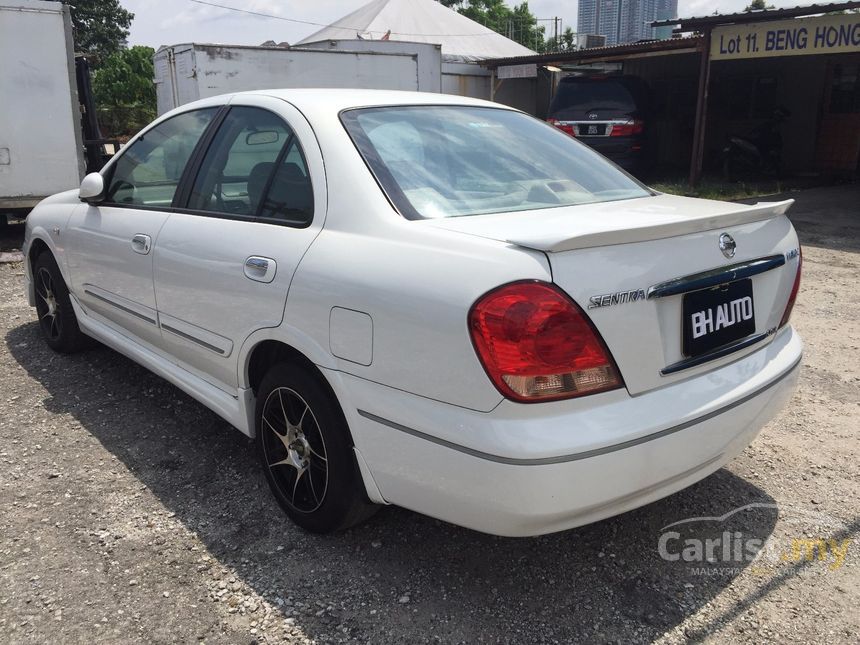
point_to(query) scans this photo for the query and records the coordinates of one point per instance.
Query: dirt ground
(129, 513)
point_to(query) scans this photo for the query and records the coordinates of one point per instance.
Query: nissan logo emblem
(727, 245)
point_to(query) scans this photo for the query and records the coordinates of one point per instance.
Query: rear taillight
(627, 129)
(567, 128)
(794, 289)
(536, 344)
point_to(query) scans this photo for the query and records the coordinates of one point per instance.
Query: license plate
(592, 129)
(718, 316)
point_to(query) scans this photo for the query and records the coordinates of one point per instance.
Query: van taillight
(794, 289)
(536, 344)
(567, 128)
(627, 129)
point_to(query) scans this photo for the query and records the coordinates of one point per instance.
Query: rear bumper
(531, 469)
(626, 152)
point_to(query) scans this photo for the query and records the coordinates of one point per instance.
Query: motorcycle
(757, 154)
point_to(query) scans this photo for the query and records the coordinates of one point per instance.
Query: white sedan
(429, 301)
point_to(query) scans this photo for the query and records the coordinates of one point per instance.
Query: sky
(171, 22)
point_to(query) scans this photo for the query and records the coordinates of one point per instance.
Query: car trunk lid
(631, 264)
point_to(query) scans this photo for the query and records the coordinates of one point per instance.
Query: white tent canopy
(422, 21)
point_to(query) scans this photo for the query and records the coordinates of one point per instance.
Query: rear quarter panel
(415, 282)
(417, 286)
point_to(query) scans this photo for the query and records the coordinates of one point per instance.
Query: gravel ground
(132, 514)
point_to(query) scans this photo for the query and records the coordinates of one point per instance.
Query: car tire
(305, 448)
(57, 319)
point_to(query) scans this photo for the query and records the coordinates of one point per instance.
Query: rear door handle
(141, 243)
(260, 269)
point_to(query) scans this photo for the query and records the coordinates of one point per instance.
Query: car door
(224, 263)
(109, 245)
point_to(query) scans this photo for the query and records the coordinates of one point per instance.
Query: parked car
(608, 112)
(429, 301)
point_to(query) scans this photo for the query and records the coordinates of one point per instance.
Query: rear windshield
(448, 161)
(593, 94)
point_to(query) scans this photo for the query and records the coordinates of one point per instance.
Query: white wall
(466, 79)
(429, 56)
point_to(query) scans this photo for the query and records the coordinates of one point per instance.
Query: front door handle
(141, 243)
(260, 269)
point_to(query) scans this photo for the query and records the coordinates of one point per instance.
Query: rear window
(449, 161)
(593, 94)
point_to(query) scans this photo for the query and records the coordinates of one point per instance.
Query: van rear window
(593, 94)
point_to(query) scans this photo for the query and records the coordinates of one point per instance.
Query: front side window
(254, 168)
(148, 172)
(449, 161)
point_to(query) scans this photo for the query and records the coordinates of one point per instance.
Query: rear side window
(148, 171)
(254, 168)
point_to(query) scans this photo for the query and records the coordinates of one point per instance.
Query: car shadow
(400, 577)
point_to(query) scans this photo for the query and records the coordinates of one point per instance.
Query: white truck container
(41, 147)
(458, 76)
(185, 73)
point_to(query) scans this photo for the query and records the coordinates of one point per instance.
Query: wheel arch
(262, 347)
(40, 242)
(266, 349)
(267, 353)
(37, 247)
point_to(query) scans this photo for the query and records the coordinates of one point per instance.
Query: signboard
(822, 35)
(517, 71)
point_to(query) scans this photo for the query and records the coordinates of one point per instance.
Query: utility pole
(556, 22)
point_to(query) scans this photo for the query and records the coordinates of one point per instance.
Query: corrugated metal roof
(672, 45)
(688, 24)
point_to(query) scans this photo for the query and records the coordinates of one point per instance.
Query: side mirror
(92, 188)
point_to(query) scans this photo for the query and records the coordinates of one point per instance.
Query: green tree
(517, 23)
(99, 27)
(758, 5)
(124, 91)
(565, 42)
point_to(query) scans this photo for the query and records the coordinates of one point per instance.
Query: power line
(319, 24)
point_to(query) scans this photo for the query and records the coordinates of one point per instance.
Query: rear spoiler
(608, 233)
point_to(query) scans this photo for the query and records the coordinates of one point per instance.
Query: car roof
(319, 101)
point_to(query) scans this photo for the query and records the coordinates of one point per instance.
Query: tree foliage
(124, 91)
(517, 23)
(564, 43)
(99, 27)
(758, 5)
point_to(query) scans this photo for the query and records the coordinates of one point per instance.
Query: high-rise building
(666, 9)
(624, 21)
